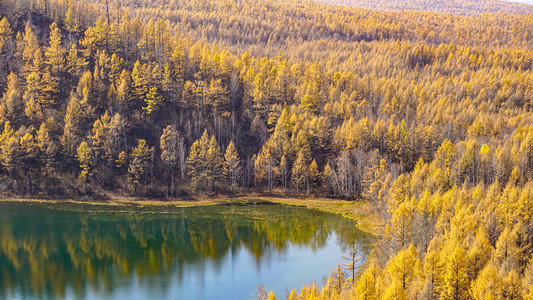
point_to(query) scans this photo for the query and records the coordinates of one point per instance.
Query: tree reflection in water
(46, 253)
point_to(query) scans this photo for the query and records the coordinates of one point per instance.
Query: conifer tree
(232, 165)
(456, 283)
(31, 46)
(338, 279)
(395, 291)
(93, 39)
(197, 162)
(284, 171)
(506, 253)
(124, 93)
(301, 143)
(300, 172)
(75, 63)
(55, 53)
(344, 174)
(12, 99)
(405, 267)
(48, 151)
(372, 176)
(265, 167)
(153, 101)
(352, 258)
(308, 103)
(433, 272)
(33, 112)
(83, 154)
(71, 22)
(28, 149)
(100, 136)
(400, 229)
(141, 156)
(11, 154)
(487, 284)
(217, 98)
(116, 141)
(49, 90)
(6, 44)
(73, 121)
(194, 164)
(367, 285)
(215, 163)
(329, 179)
(512, 286)
(314, 175)
(170, 152)
(6, 34)
(139, 85)
(122, 161)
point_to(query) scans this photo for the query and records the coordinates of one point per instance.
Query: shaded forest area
(427, 116)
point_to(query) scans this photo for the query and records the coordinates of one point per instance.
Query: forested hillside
(427, 116)
(461, 7)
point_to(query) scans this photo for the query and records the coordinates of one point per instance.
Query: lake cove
(213, 252)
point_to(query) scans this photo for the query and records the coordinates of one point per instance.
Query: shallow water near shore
(215, 252)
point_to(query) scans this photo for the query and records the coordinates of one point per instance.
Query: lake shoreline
(367, 218)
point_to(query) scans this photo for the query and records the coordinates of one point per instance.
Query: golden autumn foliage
(427, 116)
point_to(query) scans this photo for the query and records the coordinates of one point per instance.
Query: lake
(218, 252)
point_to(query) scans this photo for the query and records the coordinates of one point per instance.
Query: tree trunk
(172, 187)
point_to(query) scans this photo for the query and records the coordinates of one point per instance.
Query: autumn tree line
(430, 124)
(462, 7)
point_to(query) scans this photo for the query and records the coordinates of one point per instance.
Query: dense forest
(461, 7)
(426, 116)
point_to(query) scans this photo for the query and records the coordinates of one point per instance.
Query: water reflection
(51, 254)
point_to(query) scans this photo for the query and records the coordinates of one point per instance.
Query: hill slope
(460, 7)
(426, 117)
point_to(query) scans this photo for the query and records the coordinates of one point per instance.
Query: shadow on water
(54, 254)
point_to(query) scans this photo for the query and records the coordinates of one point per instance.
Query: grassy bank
(367, 218)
